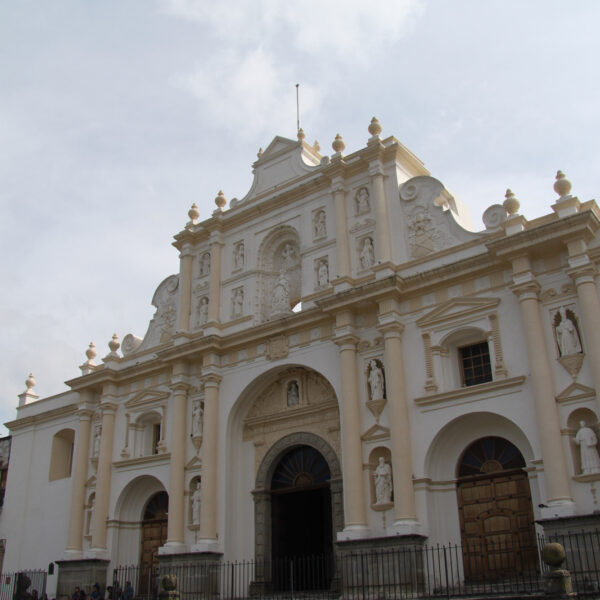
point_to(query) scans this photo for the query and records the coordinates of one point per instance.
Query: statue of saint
(203, 310)
(376, 383)
(323, 274)
(97, 437)
(238, 257)
(587, 441)
(566, 335)
(205, 264)
(362, 201)
(293, 397)
(197, 414)
(367, 254)
(320, 224)
(288, 256)
(281, 295)
(238, 302)
(196, 505)
(383, 482)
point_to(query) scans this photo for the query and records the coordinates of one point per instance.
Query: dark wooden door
(496, 519)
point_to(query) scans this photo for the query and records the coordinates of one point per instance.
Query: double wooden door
(496, 519)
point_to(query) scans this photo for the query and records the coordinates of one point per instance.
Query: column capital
(376, 168)
(338, 185)
(527, 290)
(346, 341)
(211, 380)
(108, 406)
(584, 274)
(187, 250)
(179, 384)
(85, 411)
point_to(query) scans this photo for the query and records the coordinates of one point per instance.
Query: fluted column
(405, 513)
(555, 469)
(354, 489)
(383, 249)
(80, 467)
(186, 259)
(589, 303)
(210, 463)
(214, 290)
(109, 408)
(342, 245)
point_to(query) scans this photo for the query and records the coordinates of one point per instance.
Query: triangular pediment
(278, 146)
(375, 433)
(194, 465)
(575, 391)
(146, 398)
(457, 308)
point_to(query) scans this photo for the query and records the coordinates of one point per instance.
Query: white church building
(341, 363)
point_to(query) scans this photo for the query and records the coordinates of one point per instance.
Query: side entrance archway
(154, 529)
(495, 510)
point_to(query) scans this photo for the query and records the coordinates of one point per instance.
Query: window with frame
(475, 364)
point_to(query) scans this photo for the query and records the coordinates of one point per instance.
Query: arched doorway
(301, 521)
(495, 510)
(154, 529)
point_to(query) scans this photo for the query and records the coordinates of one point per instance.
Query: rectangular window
(475, 362)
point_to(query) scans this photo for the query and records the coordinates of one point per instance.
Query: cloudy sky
(115, 116)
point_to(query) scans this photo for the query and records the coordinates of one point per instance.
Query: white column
(558, 491)
(80, 467)
(354, 488)
(103, 477)
(210, 465)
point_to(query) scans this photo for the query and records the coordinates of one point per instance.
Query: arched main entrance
(154, 529)
(301, 528)
(495, 510)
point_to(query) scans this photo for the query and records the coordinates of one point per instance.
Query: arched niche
(574, 419)
(279, 263)
(61, 454)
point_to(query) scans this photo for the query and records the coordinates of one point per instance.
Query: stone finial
(316, 146)
(338, 144)
(28, 395)
(511, 204)
(194, 213)
(562, 186)
(30, 382)
(374, 127)
(259, 153)
(91, 353)
(220, 200)
(301, 134)
(113, 345)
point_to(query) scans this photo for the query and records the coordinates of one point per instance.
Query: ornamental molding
(146, 399)
(457, 308)
(576, 392)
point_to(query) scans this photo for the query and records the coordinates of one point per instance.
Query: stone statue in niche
(90, 515)
(367, 254)
(239, 256)
(323, 273)
(376, 381)
(293, 395)
(96, 444)
(281, 295)
(288, 256)
(195, 502)
(237, 302)
(320, 224)
(197, 414)
(588, 447)
(205, 264)
(203, 310)
(383, 482)
(362, 201)
(567, 336)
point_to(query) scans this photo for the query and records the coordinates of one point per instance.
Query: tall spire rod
(297, 107)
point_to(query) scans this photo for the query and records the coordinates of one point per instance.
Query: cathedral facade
(340, 353)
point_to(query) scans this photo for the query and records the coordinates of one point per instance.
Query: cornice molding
(49, 415)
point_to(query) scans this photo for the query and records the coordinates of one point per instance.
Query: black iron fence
(446, 571)
(11, 584)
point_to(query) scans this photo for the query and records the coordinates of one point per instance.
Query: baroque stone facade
(340, 351)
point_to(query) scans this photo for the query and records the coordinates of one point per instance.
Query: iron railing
(443, 571)
(11, 583)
